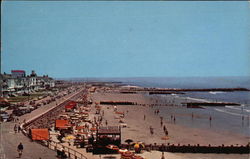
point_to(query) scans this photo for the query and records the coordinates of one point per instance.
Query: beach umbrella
(112, 147)
(121, 113)
(70, 137)
(64, 115)
(74, 118)
(122, 150)
(127, 155)
(93, 129)
(98, 107)
(128, 141)
(80, 127)
(165, 138)
(138, 145)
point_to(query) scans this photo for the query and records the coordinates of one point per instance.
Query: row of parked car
(21, 110)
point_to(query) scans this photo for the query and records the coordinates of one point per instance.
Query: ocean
(192, 82)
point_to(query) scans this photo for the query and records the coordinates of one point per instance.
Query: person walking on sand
(162, 155)
(151, 130)
(19, 128)
(161, 118)
(144, 117)
(20, 150)
(164, 128)
(15, 128)
(166, 133)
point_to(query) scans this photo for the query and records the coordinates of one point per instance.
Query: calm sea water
(192, 82)
(200, 82)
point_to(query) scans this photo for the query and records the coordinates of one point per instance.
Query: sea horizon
(242, 97)
(173, 82)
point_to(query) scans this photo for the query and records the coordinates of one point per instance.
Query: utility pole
(1, 76)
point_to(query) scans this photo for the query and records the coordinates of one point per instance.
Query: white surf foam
(233, 107)
(227, 112)
(247, 110)
(198, 99)
(215, 92)
(238, 108)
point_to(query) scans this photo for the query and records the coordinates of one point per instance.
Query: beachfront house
(18, 83)
(18, 73)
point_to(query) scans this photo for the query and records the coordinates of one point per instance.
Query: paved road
(32, 150)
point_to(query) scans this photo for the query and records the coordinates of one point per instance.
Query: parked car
(38, 104)
(4, 116)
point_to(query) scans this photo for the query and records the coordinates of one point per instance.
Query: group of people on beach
(164, 127)
(157, 111)
(15, 119)
(172, 118)
(17, 128)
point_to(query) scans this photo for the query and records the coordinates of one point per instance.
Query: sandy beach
(138, 129)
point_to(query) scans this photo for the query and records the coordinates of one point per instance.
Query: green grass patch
(26, 98)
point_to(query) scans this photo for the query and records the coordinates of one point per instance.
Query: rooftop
(109, 130)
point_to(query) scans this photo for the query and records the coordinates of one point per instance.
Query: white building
(18, 84)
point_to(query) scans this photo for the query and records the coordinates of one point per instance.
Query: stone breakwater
(177, 148)
(187, 90)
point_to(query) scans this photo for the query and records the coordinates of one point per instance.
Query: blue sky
(126, 39)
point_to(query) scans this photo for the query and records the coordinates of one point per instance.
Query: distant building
(17, 73)
(17, 83)
(33, 74)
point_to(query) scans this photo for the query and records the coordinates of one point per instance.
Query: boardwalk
(32, 150)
